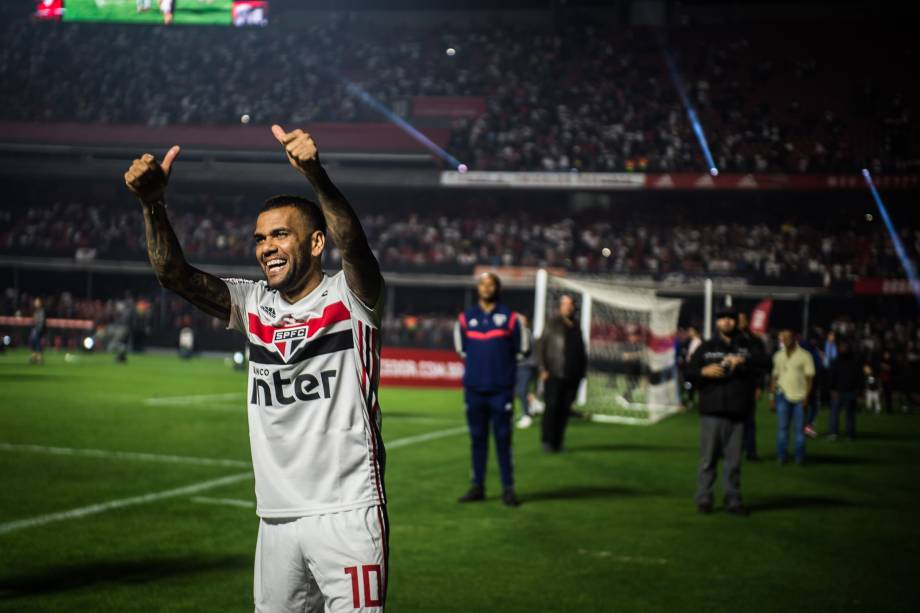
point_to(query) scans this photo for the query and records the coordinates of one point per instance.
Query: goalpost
(629, 336)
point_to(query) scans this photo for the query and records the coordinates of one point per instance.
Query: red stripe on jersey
(463, 321)
(484, 336)
(332, 314)
(511, 321)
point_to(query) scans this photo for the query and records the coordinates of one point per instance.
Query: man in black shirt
(756, 373)
(563, 362)
(722, 368)
(844, 380)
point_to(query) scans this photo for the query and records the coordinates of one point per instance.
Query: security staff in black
(721, 369)
(756, 372)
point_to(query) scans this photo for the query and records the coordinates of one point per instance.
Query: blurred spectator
(845, 376)
(793, 376)
(873, 390)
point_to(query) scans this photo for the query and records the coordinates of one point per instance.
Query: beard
(295, 277)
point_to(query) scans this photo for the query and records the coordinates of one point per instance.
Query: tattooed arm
(147, 178)
(362, 270)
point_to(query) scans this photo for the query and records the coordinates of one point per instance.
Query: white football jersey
(314, 420)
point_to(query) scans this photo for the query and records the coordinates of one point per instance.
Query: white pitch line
(125, 455)
(93, 509)
(421, 438)
(230, 502)
(182, 491)
(195, 399)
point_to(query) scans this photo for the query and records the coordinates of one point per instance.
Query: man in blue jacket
(490, 338)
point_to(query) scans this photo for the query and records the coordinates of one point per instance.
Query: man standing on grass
(491, 339)
(526, 374)
(563, 363)
(757, 373)
(844, 379)
(721, 368)
(314, 420)
(38, 332)
(793, 374)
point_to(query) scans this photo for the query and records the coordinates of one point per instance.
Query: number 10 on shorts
(369, 597)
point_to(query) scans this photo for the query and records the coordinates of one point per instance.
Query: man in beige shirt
(793, 374)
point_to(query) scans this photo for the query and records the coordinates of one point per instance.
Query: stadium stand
(583, 96)
(778, 247)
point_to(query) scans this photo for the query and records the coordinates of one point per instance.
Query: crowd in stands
(657, 244)
(584, 96)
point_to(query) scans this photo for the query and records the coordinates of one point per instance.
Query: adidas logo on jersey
(270, 311)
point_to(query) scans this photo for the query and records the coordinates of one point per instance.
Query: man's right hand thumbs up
(147, 178)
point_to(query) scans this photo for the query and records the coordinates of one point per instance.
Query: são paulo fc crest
(499, 319)
(287, 340)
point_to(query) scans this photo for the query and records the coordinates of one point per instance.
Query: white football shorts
(330, 563)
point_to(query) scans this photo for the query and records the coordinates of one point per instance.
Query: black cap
(727, 311)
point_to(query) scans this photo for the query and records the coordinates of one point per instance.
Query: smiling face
(287, 248)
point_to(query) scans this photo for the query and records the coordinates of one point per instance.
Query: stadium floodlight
(695, 122)
(906, 262)
(629, 335)
(364, 96)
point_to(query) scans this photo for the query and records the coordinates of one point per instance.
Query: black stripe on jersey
(330, 343)
(368, 365)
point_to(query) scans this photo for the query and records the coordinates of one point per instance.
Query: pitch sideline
(194, 488)
(121, 503)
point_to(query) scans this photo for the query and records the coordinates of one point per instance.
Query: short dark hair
(309, 209)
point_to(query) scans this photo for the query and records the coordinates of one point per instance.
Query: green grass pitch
(608, 526)
(187, 12)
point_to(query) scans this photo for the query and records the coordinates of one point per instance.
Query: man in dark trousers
(38, 332)
(491, 339)
(845, 380)
(756, 374)
(563, 362)
(722, 368)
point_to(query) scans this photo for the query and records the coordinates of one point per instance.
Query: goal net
(629, 335)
